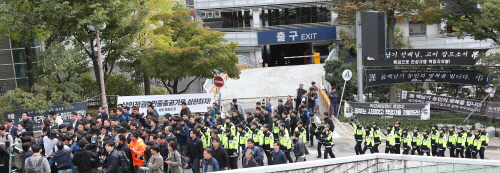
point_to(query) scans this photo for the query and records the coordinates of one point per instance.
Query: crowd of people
(127, 141)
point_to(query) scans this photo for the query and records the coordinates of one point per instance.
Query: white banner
(169, 103)
(387, 110)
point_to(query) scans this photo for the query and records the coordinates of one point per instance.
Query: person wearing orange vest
(137, 149)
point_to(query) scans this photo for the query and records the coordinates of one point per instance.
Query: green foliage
(61, 64)
(158, 91)
(400, 41)
(181, 49)
(117, 84)
(437, 117)
(334, 69)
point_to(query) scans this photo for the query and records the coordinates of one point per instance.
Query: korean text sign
(388, 110)
(169, 103)
(376, 77)
(297, 35)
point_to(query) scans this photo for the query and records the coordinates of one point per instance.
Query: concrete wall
(404, 27)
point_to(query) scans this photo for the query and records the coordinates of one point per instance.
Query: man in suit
(10, 128)
(102, 114)
(74, 120)
(249, 161)
(162, 139)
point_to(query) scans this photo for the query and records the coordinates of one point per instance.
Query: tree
(142, 40)
(182, 49)
(396, 10)
(68, 21)
(20, 19)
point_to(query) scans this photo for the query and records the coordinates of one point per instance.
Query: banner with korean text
(426, 57)
(61, 111)
(377, 77)
(169, 103)
(388, 110)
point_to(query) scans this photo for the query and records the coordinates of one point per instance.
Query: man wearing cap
(476, 144)
(434, 135)
(426, 143)
(441, 142)
(390, 141)
(284, 139)
(376, 137)
(205, 139)
(328, 142)
(319, 135)
(276, 128)
(257, 135)
(416, 141)
(230, 142)
(470, 140)
(461, 142)
(236, 106)
(242, 137)
(452, 141)
(368, 135)
(406, 140)
(301, 130)
(229, 125)
(485, 139)
(397, 137)
(358, 135)
(268, 143)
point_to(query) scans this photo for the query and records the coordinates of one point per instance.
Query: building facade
(13, 68)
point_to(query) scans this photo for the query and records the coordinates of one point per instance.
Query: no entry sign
(219, 81)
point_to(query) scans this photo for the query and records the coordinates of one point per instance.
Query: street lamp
(101, 73)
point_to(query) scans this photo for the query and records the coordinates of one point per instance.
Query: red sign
(219, 81)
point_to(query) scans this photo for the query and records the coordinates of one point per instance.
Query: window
(417, 28)
(21, 70)
(20, 55)
(210, 14)
(217, 14)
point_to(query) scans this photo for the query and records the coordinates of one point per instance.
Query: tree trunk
(174, 87)
(29, 65)
(95, 63)
(147, 85)
(391, 24)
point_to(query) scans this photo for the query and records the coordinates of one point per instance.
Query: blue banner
(297, 35)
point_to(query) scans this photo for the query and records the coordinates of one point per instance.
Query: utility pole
(359, 51)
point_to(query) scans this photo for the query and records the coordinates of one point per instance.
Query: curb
(342, 126)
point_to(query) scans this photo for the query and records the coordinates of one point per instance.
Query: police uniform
(243, 137)
(286, 144)
(257, 136)
(390, 141)
(485, 139)
(377, 136)
(268, 144)
(397, 138)
(303, 132)
(276, 128)
(470, 140)
(476, 144)
(452, 141)
(231, 144)
(231, 127)
(406, 141)
(416, 142)
(426, 144)
(328, 142)
(369, 140)
(441, 143)
(358, 136)
(461, 143)
(318, 132)
(434, 135)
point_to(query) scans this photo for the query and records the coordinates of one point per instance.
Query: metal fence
(382, 163)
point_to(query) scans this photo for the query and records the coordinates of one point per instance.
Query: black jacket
(93, 131)
(82, 160)
(28, 125)
(112, 163)
(125, 149)
(281, 109)
(195, 149)
(221, 156)
(329, 121)
(236, 120)
(279, 157)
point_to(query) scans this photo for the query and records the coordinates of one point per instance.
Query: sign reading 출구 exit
(297, 35)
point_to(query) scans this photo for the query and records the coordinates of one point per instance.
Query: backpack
(124, 162)
(183, 161)
(34, 168)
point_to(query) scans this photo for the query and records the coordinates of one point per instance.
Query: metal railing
(382, 163)
(276, 27)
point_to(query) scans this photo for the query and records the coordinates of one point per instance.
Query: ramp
(272, 81)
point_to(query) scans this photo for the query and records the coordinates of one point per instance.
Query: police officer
(246, 128)
(204, 137)
(268, 143)
(470, 141)
(406, 140)
(302, 130)
(397, 137)
(476, 144)
(204, 129)
(434, 135)
(284, 140)
(318, 132)
(257, 136)
(231, 144)
(220, 130)
(259, 126)
(452, 141)
(441, 142)
(242, 136)
(426, 143)
(328, 141)
(276, 128)
(390, 141)
(461, 142)
(229, 125)
(485, 139)
(358, 135)
(416, 141)
(376, 136)
(369, 142)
